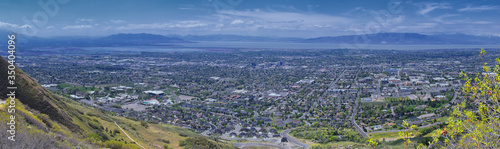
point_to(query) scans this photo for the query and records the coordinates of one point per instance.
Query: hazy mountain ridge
(222, 37)
(144, 39)
(121, 39)
(406, 38)
(379, 38)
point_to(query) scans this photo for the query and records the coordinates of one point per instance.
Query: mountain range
(407, 39)
(144, 39)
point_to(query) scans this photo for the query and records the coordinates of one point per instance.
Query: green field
(432, 133)
(340, 144)
(62, 86)
(396, 99)
(389, 135)
(442, 119)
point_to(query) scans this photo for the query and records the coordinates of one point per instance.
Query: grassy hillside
(46, 120)
(31, 94)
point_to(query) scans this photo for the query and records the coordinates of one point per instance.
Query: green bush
(114, 144)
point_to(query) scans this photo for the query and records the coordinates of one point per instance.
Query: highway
(292, 140)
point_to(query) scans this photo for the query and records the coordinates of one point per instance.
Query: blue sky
(280, 18)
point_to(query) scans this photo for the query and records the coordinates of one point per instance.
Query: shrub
(474, 123)
(144, 124)
(114, 144)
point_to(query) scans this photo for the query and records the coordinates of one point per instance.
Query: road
(176, 98)
(293, 140)
(355, 111)
(454, 98)
(392, 110)
(405, 129)
(354, 122)
(237, 129)
(332, 85)
(378, 86)
(307, 123)
(258, 144)
(205, 133)
(255, 114)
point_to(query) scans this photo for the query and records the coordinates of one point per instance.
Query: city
(249, 74)
(253, 94)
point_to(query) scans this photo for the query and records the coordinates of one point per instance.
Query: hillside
(46, 120)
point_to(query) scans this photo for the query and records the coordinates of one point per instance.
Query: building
(377, 127)
(153, 93)
(366, 99)
(151, 102)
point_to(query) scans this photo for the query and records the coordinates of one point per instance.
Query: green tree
(145, 124)
(372, 143)
(475, 123)
(165, 146)
(406, 134)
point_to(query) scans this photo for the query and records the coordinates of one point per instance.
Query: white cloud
(237, 21)
(186, 7)
(419, 27)
(78, 27)
(428, 7)
(478, 8)
(49, 27)
(350, 12)
(116, 21)
(84, 20)
(481, 22)
(280, 20)
(178, 24)
(442, 19)
(398, 19)
(5, 24)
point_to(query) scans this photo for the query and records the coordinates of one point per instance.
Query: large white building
(154, 92)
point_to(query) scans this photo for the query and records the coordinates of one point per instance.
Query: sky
(273, 18)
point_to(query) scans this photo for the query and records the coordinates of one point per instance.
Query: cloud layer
(271, 18)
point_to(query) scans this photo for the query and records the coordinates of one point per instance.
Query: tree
(165, 146)
(145, 124)
(372, 143)
(406, 134)
(475, 123)
(315, 124)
